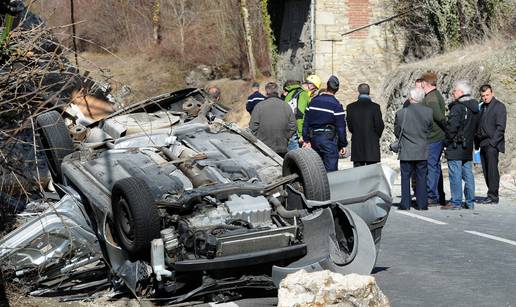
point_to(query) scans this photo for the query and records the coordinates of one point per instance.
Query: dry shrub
(111, 24)
(193, 31)
(437, 26)
(35, 75)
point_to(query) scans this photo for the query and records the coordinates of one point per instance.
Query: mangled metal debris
(55, 250)
(169, 201)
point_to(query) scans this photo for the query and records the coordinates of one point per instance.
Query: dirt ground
(150, 76)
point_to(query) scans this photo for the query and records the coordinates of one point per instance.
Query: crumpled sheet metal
(366, 190)
(61, 231)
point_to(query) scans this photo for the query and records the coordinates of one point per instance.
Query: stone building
(363, 56)
(312, 40)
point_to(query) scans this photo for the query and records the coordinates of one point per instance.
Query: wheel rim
(125, 220)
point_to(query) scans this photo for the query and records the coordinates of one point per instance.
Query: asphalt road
(454, 258)
(445, 258)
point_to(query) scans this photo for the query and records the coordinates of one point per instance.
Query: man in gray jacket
(272, 121)
(412, 127)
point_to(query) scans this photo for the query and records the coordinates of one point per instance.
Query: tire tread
(145, 213)
(312, 171)
(53, 129)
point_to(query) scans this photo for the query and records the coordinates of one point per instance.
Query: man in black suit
(364, 119)
(491, 140)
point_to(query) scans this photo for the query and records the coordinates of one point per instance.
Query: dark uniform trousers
(489, 159)
(325, 144)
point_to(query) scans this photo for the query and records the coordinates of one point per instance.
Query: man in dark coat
(460, 134)
(412, 127)
(365, 123)
(272, 121)
(491, 140)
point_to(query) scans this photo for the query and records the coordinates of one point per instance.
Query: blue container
(476, 157)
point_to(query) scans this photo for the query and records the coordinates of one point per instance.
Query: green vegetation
(7, 28)
(8, 25)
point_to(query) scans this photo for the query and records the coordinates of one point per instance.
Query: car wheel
(135, 217)
(56, 141)
(313, 178)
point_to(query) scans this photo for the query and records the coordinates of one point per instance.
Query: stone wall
(364, 56)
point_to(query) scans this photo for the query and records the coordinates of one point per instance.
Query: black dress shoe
(422, 209)
(404, 209)
(480, 199)
(490, 201)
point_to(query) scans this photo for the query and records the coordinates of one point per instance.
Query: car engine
(242, 224)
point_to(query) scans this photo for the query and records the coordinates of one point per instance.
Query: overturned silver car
(168, 200)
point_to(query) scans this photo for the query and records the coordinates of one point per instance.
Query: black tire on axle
(313, 177)
(135, 216)
(56, 141)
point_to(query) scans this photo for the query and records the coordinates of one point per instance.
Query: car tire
(56, 140)
(308, 165)
(135, 217)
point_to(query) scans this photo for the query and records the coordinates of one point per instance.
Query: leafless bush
(193, 32)
(111, 24)
(35, 75)
(435, 26)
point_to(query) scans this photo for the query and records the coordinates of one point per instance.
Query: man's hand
(342, 152)
(307, 145)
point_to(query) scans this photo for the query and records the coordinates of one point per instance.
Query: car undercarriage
(167, 200)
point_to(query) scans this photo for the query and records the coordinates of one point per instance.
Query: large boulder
(326, 288)
(199, 76)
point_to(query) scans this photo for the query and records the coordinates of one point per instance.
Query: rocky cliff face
(493, 63)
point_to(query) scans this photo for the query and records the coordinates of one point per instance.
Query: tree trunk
(182, 36)
(74, 33)
(248, 38)
(156, 22)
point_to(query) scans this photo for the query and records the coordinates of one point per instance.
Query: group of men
(307, 116)
(424, 132)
